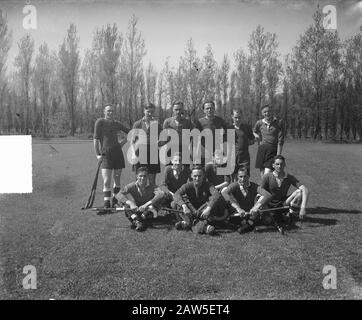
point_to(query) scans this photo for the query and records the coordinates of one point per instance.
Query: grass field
(81, 255)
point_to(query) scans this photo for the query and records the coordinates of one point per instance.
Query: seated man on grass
(245, 199)
(220, 182)
(141, 198)
(197, 200)
(278, 182)
(176, 175)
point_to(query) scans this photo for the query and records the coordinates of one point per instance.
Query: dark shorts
(265, 155)
(113, 158)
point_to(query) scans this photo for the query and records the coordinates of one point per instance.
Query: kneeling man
(176, 175)
(278, 182)
(142, 199)
(197, 200)
(245, 198)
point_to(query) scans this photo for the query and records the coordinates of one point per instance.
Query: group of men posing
(198, 195)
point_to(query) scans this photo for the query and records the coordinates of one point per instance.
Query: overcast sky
(167, 25)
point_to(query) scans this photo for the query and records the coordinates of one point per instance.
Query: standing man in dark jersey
(270, 132)
(109, 151)
(178, 122)
(212, 122)
(243, 138)
(145, 124)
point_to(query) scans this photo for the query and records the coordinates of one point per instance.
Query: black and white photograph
(194, 151)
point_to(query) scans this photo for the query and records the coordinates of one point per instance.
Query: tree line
(316, 88)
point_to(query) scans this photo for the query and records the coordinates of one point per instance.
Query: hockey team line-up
(201, 195)
(191, 146)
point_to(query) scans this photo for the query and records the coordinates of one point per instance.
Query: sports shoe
(139, 226)
(178, 225)
(107, 204)
(245, 228)
(210, 230)
(280, 229)
(182, 225)
(114, 202)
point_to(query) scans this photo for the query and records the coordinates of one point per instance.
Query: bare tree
(88, 87)
(167, 93)
(43, 72)
(223, 76)
(313, 54)
(5, 41)
(161, 91)
(273, 74)
(353, 83)
(23, 63)
(244, 83)
(69, 67)
(151, 81)
(191, 69)
(209, 74)
(233, 101)
(139, 94)
(133, 53)
(262, 47)
(180, 85)
(107, 45)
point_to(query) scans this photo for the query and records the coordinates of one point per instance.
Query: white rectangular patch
(15, 164)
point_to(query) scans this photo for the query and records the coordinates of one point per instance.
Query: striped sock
(107, 195)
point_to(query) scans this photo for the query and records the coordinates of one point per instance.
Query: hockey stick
(263, 211)
(273, 222)
(115, 209)
(170, 210)
(93, 190)
(176, 211)
(195, 213)
(103, 210)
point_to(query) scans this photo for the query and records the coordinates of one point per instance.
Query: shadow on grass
(325, 210)
(317, 222)
(261, 228)
(107, 212)
(164, 222)
(168, 221)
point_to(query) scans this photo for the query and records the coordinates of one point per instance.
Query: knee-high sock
(107, 194)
